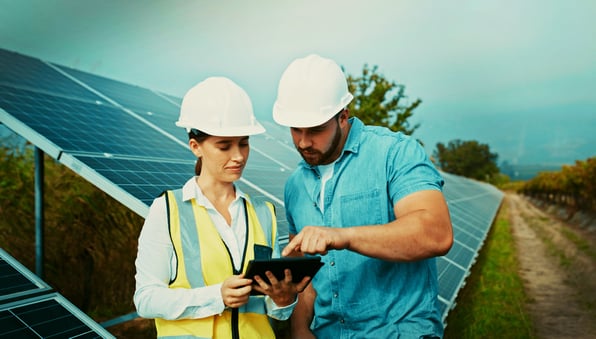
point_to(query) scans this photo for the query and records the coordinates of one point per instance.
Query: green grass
(491, 305)
(582, 244)
(564, 260)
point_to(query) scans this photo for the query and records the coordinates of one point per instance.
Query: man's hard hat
(218, 107)
(311, 91)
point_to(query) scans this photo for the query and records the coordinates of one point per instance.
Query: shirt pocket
(362, 208)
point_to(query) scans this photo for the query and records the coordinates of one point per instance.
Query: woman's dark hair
(199, 137)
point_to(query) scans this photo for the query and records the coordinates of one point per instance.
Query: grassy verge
(491, 305)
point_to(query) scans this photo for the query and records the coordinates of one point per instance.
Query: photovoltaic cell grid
(37, 77)
(473, 206)
(29, 308)
(123, 139)
(47, 316)
(157, 108)
(118, 136)
(90, 127)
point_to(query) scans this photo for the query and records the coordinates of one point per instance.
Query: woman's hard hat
(311, 91)
(218, 107)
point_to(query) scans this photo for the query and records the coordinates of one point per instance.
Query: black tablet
(300, 266)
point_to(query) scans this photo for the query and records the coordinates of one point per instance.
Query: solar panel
(122, 138)
(473, 206)
(47, 316)
(29, 308)
(16, 281)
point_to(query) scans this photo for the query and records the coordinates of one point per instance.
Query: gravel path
(558, 268)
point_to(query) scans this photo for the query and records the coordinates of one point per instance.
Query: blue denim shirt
(360, 296)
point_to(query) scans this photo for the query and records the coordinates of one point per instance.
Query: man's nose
(304, 140)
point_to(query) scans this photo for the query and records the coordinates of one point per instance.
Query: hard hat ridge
(218, 106)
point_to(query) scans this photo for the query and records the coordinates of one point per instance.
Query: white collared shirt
(156, 264)
(234, 236)
(326, 172)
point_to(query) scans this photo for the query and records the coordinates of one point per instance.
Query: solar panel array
(29, 308)
(473, 206)
(122, 138)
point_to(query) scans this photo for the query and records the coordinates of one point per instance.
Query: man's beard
(315, 158)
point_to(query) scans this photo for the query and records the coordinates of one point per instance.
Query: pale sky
(517, 75)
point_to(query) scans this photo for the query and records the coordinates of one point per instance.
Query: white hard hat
(218, 107)
(311, 91)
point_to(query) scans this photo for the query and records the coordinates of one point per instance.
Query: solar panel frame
(16, 281)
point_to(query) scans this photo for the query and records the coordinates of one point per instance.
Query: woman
(197, 241)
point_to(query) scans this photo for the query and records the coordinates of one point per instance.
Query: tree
(377, 101)
(467, 158)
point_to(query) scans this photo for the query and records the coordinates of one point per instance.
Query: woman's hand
(235, 291)
(282, 292)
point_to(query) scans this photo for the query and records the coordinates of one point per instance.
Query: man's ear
(344, 115)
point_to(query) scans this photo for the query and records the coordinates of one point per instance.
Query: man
(367, 200)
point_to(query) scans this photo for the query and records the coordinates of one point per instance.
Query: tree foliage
(377, 101)
(572, 186)
(470, 159)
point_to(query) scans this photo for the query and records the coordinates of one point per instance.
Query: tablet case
(300, 267)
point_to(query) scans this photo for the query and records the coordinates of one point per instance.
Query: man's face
(319, 145)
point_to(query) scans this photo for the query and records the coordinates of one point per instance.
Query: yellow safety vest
(203, 259)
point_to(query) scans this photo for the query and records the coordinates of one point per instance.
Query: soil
(558, 266)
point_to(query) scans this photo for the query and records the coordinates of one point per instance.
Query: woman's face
(223, 158)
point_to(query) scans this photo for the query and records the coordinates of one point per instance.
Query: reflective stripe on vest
(203, 259)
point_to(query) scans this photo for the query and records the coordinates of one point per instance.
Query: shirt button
(335, 295)
(332, 263)
(341, 321)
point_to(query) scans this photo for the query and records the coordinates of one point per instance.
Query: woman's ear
(195, 147)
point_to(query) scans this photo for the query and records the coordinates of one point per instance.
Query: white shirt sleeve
(279, 313)
(156, 265)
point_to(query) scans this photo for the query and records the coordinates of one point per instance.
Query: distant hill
(526, 171)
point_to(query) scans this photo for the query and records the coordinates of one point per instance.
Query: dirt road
(558, 267)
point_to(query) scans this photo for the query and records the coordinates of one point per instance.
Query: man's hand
(317, 240)
(282, 292)
(235, 291)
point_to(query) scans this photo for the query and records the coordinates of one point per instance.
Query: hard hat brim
(225, 131)
(308, 119)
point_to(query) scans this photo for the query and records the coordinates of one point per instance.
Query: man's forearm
(303, 314)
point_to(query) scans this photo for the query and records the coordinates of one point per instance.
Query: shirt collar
(353, 142)
(192, 190)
